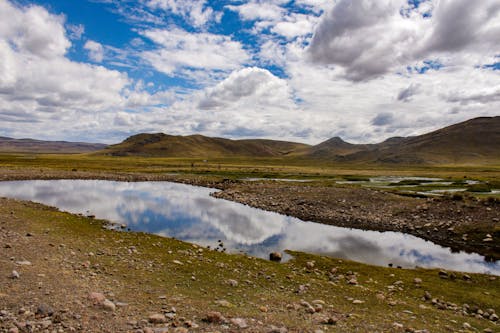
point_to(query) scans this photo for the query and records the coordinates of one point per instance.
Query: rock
(310, 264)
(263, 308)
(43, 310)
(13, 330)
(239, 322)
(275, 256)
(493, 317)
(157, 318)
(417, 280)
(177, 262)
(23, 263)
(275, 329)
(357, 301)
(232, 283)
(215, 317)
(397, 325)
(14, 275)
(467, 326)
(353, 281)
(180, 330)
(96, 298)
(108, 305)
(329, 321)
(224, 303)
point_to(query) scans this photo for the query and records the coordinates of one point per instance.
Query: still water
(189, 213)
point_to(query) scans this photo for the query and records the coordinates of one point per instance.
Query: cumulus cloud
(406, 94)
(96, 51)
(368, 38)
(179, 49)
(263, 11)
(196, 12)
(255, 87)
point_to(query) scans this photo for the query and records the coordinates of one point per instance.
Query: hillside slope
(159, 144)
(9, 145)
(473, 141)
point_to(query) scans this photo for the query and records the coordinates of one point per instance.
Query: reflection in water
(189, 213)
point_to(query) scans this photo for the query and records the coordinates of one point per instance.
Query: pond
(189, 213)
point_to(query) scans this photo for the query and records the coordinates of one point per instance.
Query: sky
(299, 70)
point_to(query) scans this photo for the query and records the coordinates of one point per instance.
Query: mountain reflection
(189, 213)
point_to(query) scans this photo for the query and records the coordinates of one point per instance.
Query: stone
(108, 305)
(417, 280)
(43, 310)
(157, 318)
(232, 283)
(494, 317)
(215, 317)
(353, 281)
(467, 326)
(310, 264)
(275, 329)
(180, 330)
(96, 298)
(13, 330)
(357, 301)
(23, 263)
(275, 256)
(224, 303)
(239, 322)
(14, 275)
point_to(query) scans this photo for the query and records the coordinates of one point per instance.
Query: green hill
(159, 144)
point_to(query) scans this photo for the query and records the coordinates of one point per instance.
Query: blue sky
(301, 70)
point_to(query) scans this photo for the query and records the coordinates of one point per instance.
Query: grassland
(69, 252)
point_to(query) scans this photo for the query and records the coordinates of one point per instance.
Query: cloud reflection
(189, 213)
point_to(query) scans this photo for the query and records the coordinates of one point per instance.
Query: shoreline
(462, 225)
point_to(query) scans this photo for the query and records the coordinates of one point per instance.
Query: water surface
(189, 213)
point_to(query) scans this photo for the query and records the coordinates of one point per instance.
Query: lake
(189, 213)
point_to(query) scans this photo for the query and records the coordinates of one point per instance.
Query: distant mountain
(473, 141)
(10, 145)
(159, 144)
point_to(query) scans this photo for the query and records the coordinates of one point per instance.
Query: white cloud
(370, 38)
(263, 11)
(196, 12)
(75, 30)
(179, 49)
(96, 51)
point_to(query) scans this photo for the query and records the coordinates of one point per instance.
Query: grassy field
(352, 297)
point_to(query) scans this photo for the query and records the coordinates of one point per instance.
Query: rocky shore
(467, 224)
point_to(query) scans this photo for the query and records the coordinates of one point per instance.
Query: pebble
(357, 301)
(224, 303)
(240, 322)
(417, 280)
(44, 310)
(157, 318)
(108, 305)
(232, 283)
(310, 264)
(96, 298)
(215, 317)
(14, 275)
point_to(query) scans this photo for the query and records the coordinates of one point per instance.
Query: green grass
(151, 272)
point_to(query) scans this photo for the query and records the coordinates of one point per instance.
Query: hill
(10, 145)
(159, 144)
(473, 141)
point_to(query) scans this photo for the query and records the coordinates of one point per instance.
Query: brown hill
(473, 141)
(9, 145)
(159, 144)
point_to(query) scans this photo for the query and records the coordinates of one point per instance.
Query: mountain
(10, 145)
(159, 144)
(473, 141)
